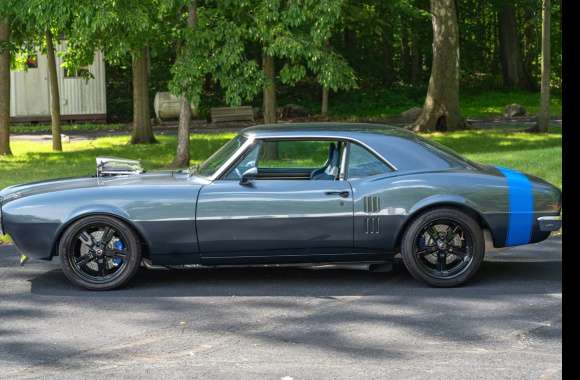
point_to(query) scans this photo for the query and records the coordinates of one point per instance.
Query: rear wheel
(443, 247)
(99, 253)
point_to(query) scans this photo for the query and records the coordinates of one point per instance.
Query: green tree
(5, 84)
(544, 115)
(182, 153)
(297, 34)
(127, 29)
(12, 38)
(441, 108)
(43, 20)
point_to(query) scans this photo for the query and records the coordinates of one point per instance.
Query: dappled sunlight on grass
(35, 160)
(537, 154)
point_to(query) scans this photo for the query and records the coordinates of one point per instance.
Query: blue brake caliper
(118, 245)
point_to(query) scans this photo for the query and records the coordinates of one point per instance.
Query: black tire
(467, 245)
(93, 264)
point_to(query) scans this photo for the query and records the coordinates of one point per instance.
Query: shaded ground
(272, 323)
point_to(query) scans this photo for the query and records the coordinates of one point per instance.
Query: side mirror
(249, 175)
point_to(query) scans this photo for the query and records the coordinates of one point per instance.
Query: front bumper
(549, 223)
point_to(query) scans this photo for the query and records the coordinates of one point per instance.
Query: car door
(281, 214)
(375, 218)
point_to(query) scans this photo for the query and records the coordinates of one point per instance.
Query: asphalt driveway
(286, 323)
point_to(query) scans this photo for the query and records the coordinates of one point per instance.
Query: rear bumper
(549, 223)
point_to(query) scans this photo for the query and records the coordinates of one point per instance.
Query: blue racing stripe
(521, 207)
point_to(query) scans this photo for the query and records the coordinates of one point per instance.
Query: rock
(411, 114)
(292, 110)
(513, 110)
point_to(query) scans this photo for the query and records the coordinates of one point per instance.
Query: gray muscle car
(285, 194)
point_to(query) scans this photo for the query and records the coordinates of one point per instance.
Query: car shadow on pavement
(494, 277)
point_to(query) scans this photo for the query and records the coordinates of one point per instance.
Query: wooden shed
(80, 98)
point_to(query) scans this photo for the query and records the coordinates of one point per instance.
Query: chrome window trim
(344, 158)
(251, 139)
(233, 158)
(326, 137)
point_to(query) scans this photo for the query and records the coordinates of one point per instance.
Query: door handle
(342, 194)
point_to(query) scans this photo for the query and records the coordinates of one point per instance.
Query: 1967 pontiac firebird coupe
(285, 194)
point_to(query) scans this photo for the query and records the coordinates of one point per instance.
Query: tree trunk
(269, 101)
(269, 104)
(54, 94)
(441, 109)
(544, 115)
(324, 108)
(182, 154)
(142, 129)
(510, 50)
(4, 89)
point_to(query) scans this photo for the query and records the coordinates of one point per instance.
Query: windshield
(216, 160)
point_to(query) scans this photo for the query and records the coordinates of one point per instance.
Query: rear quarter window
(418, 153)
(362, 163)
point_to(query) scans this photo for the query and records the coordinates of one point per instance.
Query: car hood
(61, 184)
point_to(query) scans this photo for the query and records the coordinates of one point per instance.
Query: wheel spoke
(432, 232)
(451, 233)
(122, 254)
(426, 251)
(459, 252)
(441, 262)
(102, 264)
(107, 236)
(87, 239)
(84, 260)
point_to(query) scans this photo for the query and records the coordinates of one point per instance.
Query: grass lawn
(67, 128)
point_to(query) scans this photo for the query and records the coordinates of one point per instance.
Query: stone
(411, 114)
(514, 110)
(292, 110)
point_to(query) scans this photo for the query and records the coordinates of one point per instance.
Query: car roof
(402, 149)
(336, 129)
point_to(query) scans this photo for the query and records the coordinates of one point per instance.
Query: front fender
(93, 210)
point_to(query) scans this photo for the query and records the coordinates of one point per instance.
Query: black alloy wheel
(99, 253)
(443, 247)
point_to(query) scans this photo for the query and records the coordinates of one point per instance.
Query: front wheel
(99, 253)
(443, 247)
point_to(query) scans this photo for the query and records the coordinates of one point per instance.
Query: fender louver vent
(372, 224)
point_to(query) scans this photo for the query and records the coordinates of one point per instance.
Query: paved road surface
(286, 323)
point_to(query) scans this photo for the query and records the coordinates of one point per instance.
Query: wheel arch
(456, 203)
(140, 234)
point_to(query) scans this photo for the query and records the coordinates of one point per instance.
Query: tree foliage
(231, 35)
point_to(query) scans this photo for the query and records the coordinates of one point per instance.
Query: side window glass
(248, 162)
(293, 154)
(362, 163)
